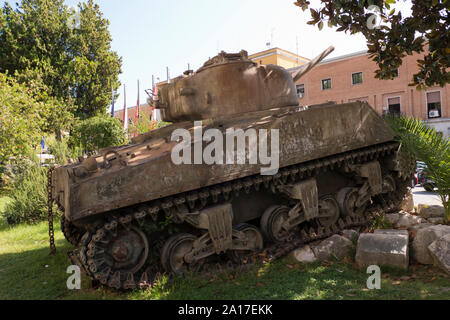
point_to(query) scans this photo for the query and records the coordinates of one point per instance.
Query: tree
(145, 124)
(75, 63)
(427, 28)
(430, 147)
(21, 119)
(58, 114)
(98, 132)
(95, 65)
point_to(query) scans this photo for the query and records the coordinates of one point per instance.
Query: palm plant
(427, 145)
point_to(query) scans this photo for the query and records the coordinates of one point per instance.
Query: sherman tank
(242, 171)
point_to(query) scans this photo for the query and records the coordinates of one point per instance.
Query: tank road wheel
(347, 199)
(128, 250)
(174, 251)
(389, 192)
(328, 211)
(116, 255)
(253, 240)
(389, 184)
(272, 223)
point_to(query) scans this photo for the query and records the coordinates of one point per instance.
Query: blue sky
(151, 35)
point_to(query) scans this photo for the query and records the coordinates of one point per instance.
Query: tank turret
(229, 84)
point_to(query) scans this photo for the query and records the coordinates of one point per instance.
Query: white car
(46, 159)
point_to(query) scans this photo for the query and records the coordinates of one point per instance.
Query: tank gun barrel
(307, 67)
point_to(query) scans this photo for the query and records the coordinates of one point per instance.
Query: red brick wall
(374, 91)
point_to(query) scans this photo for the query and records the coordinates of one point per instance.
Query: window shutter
(393, 101)
(434, 97)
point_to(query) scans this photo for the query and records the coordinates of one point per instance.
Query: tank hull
(148, 172)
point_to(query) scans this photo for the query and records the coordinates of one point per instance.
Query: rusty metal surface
(227, 84)
(305, 191)
(145, 277)
(309, 66)
(335, 151)
(150, 174)
(220, 219)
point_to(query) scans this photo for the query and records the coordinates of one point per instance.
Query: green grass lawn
(28, 272)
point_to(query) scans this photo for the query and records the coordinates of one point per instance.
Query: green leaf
(320, 25)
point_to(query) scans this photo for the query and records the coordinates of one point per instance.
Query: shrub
(430, 147)
(28, 191)
(145, 124)
(63, 151)
(96, 133)
(20, 119)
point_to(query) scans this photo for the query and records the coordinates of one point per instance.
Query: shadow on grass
(283, 280)
(34, 274)
(275, 281)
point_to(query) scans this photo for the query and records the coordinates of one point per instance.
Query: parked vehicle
(423, 177)
(134, 213)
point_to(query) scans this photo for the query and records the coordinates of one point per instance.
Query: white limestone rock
(407, 203)
(392, 218)
(388, 249)
(304, 254)
(423, 239)
(440, 252)
(407, 220)
(426, 211)
(335, 246)
(349, 234)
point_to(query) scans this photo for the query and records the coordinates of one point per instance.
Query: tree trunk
(58, 135)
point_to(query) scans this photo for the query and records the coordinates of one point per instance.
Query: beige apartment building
(279, 57)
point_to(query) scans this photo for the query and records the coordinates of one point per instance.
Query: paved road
(425, 197)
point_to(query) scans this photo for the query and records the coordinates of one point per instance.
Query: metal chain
(51, 231)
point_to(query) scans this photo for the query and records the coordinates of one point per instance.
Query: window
(300, 90)
(357, 78)
(395, 72)
(394, 106)
(434, 104)
(326, 84)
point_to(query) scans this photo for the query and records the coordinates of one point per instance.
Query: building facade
(279, 57)
(352, 77)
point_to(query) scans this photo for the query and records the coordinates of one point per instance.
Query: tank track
(71, 233)
(90, 251)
